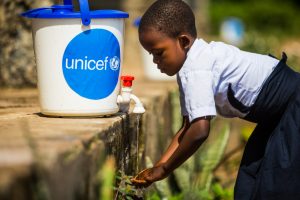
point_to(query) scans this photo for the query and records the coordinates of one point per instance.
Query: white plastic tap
(126, 96)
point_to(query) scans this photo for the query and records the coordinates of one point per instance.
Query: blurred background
(269, 26)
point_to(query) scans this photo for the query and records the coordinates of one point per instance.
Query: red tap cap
(127, 80)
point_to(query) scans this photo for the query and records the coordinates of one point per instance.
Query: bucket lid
(66, 11)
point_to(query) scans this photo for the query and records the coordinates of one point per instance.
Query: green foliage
(258, 43)
(246, 132)
(153, 196)
(218, 192)
(176, 114)
(267, 23)
(209, 156)
(183, 174)
(221, 193)
(177, 197)
(161, 187)
(263, 16)
(125, 189)
(195, 176)
(106, 178)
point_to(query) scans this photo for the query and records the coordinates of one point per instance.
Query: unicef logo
(91, 64)
(114, 63)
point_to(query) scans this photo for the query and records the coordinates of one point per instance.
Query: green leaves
(221, 193)
(209, 156)
(125, 189)
(106, 176)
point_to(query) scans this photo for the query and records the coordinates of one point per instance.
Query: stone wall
(17, 65)
(59, 158)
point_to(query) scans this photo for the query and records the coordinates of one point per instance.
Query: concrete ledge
(58, 158)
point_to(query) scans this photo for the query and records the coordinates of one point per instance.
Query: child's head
(167, 30)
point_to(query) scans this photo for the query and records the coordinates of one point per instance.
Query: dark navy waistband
(275, 94)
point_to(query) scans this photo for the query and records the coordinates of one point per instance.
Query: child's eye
(158, 53)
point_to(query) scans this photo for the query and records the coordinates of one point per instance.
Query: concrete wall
(59, 158)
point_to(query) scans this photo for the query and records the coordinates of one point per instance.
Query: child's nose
(155, 60)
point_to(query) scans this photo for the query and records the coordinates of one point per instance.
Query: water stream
(138, 118)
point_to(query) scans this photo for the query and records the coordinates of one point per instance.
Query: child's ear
(185, 41)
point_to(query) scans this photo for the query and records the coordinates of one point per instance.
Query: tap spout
(138, 108)
(126, 96)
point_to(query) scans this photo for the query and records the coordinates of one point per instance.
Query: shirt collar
(197, 48)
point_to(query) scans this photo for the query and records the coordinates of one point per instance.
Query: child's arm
(175, 142)
(191, 140)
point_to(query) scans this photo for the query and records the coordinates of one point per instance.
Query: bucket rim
(50, 13)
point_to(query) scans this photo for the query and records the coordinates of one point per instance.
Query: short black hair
(171, 17)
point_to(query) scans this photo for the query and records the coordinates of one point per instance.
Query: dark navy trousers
(270, 167)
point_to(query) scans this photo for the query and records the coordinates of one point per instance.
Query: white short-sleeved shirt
(208, 70)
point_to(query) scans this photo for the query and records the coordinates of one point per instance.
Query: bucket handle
(67, 2)
(85, 11)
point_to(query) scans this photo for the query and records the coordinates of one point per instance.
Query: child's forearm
(170, 150)
(191, 141)
(174, 144)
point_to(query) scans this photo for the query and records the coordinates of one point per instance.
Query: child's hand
(148, 176)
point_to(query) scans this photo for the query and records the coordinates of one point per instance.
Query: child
(215, 77)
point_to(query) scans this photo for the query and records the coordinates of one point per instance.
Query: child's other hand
(148, 176)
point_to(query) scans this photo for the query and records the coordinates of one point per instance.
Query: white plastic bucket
(79, 59)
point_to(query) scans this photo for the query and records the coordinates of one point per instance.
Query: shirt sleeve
(182, 98)
(198, 94)
(182, 102)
